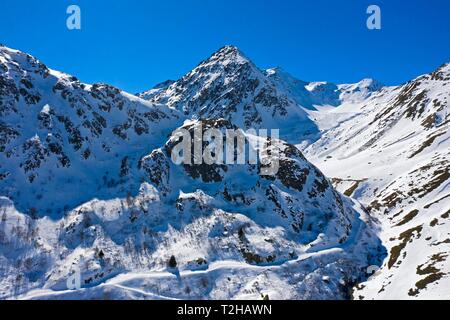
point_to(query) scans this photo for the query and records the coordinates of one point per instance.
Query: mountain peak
(228, 53)
(442, 73)
(229, 49)
(369, 82)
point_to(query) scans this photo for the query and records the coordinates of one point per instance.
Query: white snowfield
(87, 183)
(391, 152)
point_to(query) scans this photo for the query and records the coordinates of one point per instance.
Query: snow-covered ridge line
(89, 190)
(87, 183)
(391, 152)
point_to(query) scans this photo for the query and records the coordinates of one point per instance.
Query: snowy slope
(87, 184)
(306, 94)
(64, 142)
(316, 95)
(391, 152)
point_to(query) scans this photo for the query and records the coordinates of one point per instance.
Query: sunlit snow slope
(87, 183)
(391, 151)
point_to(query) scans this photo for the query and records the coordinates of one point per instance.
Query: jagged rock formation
(87, 182)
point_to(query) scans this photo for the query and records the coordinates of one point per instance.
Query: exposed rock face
(229, 86)
(54, 128)
(298, 195)
(88, 187)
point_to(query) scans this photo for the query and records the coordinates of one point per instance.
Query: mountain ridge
(235, 234)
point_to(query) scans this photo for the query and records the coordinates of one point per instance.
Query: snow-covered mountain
(228, 85)
(313, 95)
(391, 152)
(64, 142)
(388, 147)
(87, 183)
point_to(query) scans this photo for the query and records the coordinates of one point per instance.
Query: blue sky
(134, 44)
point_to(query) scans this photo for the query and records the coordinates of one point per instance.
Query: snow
(46, 109)
(121, 210)
(363, 143)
